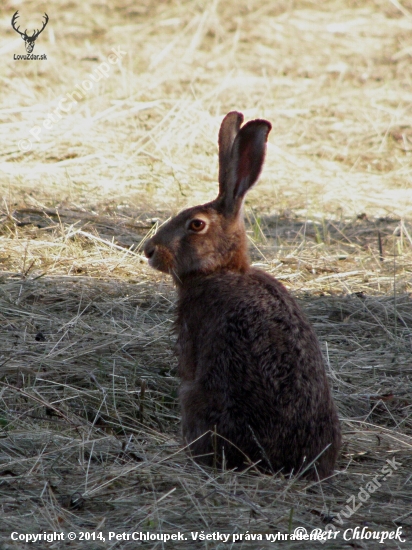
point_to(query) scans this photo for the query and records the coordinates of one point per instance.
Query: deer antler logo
(28, 40)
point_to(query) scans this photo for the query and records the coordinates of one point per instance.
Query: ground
(106, 139)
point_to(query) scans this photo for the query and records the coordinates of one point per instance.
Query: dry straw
(89, 420)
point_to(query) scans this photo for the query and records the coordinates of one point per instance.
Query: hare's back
(247, 325)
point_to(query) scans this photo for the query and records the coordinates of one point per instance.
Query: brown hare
(253, 382)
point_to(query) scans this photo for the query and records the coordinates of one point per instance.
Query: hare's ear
(242, 167)
(229, 129)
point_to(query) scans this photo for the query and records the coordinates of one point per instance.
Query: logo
(29, 41)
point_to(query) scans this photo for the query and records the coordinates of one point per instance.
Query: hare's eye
(197, 225)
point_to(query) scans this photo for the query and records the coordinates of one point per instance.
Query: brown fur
(253, 381)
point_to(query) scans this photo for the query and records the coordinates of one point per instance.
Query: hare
(253, 382)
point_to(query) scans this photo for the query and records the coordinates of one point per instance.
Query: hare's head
(211, 237)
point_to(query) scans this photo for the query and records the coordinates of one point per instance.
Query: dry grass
(88, 413)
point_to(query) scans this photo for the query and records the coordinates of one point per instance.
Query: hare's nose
(149, 249)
